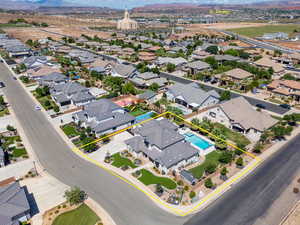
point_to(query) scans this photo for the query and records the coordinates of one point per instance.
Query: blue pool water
(197, 141)
(143, 117)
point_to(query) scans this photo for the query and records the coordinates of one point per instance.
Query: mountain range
(33, 4)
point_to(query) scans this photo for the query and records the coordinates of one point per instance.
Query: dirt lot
(293, 45)
(38, 33)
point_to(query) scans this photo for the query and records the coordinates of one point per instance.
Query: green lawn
(10, 140)
(212, 157)
(7, 25)
(119, 161)
(83, 215)
(236, 137)
(19, 152)
(43, 99)
(148, 178)
(259, 31)
(70, 130)
(137, 112)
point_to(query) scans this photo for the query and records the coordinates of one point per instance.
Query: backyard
(82, 215)
(46, 101)
(236, 137)
(148, 178)
(211, 158)
(259, 31)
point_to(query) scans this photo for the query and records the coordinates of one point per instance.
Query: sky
(121, 4)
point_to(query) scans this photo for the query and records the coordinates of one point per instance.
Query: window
(212, 114)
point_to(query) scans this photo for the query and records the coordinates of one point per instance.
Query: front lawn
(70, 130)
(212, 157)
(119, 161)
(236, 137)
(148, 178)
(83, 215)
(19, 152)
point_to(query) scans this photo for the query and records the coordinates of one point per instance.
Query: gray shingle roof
(68, 88)
(103, 115)
(147, 75)
(82, 97)
(124, 70)
(199, 65)
(191, 93)
(32, 59)
(160, 133)
(13, 202)
(147, 95)
(53, 77)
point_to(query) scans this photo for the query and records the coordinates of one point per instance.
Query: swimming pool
(197, 141)
(143, 117)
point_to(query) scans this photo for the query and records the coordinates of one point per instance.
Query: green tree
(212, 49)
(154, 87)
(208, 183)
(171, 67)
(75, 196)
(224, 172)
(226, 157)
(225, 95)
(10, 128)
(211, 168)
(128, 88)
(239, 162)
(192, 194)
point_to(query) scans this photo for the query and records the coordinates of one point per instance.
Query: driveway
(114, 146)
(17, 170)
(6, 120)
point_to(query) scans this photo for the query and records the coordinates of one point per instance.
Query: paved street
(242, 205)
(253, 101)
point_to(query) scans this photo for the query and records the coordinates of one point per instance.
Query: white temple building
(127, 23)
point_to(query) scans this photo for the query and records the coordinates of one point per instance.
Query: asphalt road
(253, 101)
(242, 205)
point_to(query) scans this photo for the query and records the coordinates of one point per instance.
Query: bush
(75, 196)
(208, 183)
(239, 162)
(180, 183)
(296, 190)
(192, 194)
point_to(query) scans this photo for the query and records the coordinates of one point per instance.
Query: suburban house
(148, 96)
(18, 51)
(285, 88)
(178, 62)
(239, 115)
(53, 79)
(84, 57)
(200, 54)
(235, 75)
(160, 141)
(191, 96)
(267, 63)
(2, 157)
(14, 206)
(196, 67)
(146, 79)
(35, 61)
(104, 65)
(71, 93)
(121, 70)
(39, 72)
(147, 56)
(103, 116)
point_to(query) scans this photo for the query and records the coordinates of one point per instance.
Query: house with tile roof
(191, 96)
(160, 141)
(14, 205)
(285, 88)
(103, 116)
(246, 119)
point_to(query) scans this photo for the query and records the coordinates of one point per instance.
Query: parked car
(14, 78)
(261, 106)
(285, 106)
(37, 107)
(2, 84)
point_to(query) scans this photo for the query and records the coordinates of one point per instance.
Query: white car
(37, 107)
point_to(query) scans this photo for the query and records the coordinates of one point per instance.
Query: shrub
(75, 196)
(208, 183)
(239, 162)
(180, 183)
(192, 194)
(296, 190)
(210, 168)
